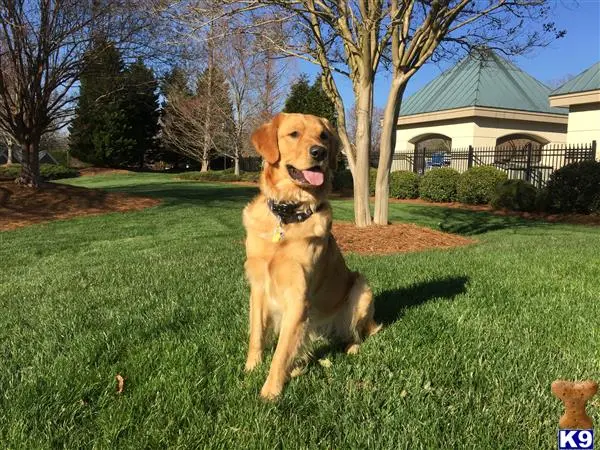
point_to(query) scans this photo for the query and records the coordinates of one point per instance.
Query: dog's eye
(324, 135)
(294, 134)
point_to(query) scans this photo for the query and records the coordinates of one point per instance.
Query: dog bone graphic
(574, 396)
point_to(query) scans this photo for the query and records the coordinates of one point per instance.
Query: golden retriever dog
(300, 284)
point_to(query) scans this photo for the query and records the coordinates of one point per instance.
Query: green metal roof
(588, 80)
(481, 80)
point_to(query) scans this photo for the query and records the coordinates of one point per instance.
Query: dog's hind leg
(356, 322)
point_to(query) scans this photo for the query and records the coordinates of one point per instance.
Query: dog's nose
(318, 153)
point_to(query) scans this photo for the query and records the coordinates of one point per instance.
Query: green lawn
(474, 336)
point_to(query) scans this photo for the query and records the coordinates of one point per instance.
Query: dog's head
(300, 151)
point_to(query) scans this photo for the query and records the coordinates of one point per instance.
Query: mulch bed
(395, 238)
(91, 171)
(21, 206)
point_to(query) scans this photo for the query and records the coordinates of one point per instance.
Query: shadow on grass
(469, 223)
(449, 220)
(390, 305)
(179, 192)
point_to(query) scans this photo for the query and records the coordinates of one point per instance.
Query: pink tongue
(313, 177)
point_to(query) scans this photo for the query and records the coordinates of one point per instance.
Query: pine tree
(116, 119)
(298, 99)
(319, 102)
(310, 99)
(140, 104)
(97, 130)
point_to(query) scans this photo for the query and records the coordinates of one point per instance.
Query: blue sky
(578, 50)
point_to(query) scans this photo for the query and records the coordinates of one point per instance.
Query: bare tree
(42, 43)
(183, 123)
(9, 142)
(256, 81)
(269, 77)
(555, 83)
(242, 66)
(376, 118)
(196, 122)
(353, 38)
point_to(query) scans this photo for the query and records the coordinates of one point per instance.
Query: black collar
(287, 212)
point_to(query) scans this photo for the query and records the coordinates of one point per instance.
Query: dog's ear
(264, 140)
(334, 144)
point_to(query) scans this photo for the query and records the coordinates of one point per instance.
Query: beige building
(582, 96)
(483, 101)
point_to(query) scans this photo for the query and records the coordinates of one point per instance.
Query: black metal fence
(529, 163)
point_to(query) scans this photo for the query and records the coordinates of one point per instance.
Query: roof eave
(481, 111)
(575, 98)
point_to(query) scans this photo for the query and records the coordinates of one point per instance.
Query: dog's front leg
(257, 329)
(291, 336)
(256, 272)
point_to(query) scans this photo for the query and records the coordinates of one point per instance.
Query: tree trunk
(386, 150)
(362, 213)
(204, 166)
(30, 164)
(9, 156)
(236, 169)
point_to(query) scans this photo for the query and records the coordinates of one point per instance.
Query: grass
(474, 336)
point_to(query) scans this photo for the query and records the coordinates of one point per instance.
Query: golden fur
(300, 284)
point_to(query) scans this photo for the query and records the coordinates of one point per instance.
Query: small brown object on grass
(120, 383)
(574, 396)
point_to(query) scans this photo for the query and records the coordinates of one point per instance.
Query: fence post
(594, 150)
(470, 160)
(415, 156)
(528, 170)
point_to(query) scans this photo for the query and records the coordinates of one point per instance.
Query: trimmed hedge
(516, 195)
(404, 184)
(575, 188)
(478, 184)
(439, 185)
(342, 180)
(10, 172)
(47, 172)
(220, 175)
(57, 172)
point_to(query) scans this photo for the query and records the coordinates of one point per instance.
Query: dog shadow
(391, 305)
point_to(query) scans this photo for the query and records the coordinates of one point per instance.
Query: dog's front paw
(352, 349)
(251, 362)
(270, 392)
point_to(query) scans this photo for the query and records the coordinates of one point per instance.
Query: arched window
(516, 147)
(431, 150)
(433, 142)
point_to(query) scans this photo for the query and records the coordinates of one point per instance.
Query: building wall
(459, 130)
(584, 124)
(475, 131)
(488, 130)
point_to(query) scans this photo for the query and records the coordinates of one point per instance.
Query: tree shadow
(177, 192)
(390, 305)
(469, 223)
